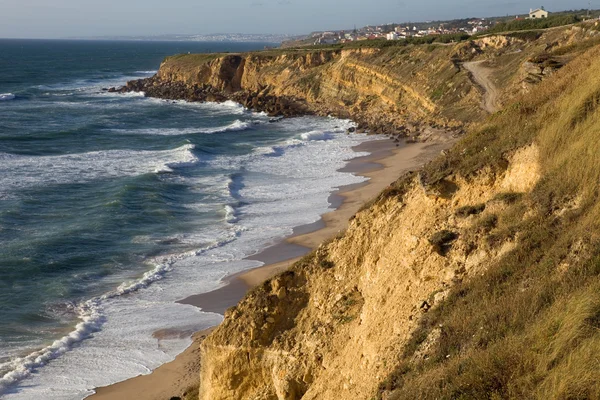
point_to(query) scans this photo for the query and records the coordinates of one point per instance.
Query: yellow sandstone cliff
(390, 86)
(332, 326)
(477, 277)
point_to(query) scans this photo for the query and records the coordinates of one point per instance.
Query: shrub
(508, 197)
(466, 211)
(442, 240)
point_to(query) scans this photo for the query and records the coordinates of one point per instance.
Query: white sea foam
(93, 85)
(225, 108)
(20, 368)
(269, 195)
(7, 96)
(235, 126)
(301, 140)
(230, 214)
(18, 172)
(229, 104)
(92, 318)
(126, 94)
(316, 135)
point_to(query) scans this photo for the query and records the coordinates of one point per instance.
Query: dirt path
(481, 76)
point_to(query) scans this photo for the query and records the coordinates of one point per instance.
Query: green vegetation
(577, 47)
(487, 222)
(192, 393)
(529, 327)
(508, 197)
(348, 307)
(326, 264)
(529, 24)
(528, 36)
(466, 211)
(383, 43)
(442, 240)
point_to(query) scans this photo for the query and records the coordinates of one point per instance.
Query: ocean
(114, 206)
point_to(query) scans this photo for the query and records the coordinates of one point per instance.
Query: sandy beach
(385, 163)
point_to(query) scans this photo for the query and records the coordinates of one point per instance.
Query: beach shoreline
(387, 161)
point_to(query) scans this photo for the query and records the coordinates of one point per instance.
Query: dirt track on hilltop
(481, 76)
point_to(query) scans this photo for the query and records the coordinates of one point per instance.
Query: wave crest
(7, 96)
(20, 368)
(19, 172)
(235, 126)
(316, 135)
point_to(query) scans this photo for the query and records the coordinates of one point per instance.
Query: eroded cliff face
(453, 278)
(333, 325)
(395, 88)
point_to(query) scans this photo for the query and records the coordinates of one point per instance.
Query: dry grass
(530, 326)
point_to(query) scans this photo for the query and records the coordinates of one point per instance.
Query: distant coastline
(212, 37)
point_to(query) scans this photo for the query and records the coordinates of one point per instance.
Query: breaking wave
(316, 135)
(18, 171)
(235, 126)
(7, 96)
(92, 318)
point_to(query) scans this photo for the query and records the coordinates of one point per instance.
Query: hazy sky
(64, 18)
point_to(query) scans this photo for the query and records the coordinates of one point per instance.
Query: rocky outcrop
(539, 67)
(259, 101)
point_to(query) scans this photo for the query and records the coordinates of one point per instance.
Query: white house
(392, 36)
(538, 13)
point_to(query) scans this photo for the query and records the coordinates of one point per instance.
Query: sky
(81, 18)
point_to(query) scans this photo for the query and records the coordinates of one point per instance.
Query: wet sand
(385, 163)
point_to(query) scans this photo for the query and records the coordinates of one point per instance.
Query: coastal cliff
(482, 264)
(475, 278)
(387, 90)
(400, 90)
(333, 325)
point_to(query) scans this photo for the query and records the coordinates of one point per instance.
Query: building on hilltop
(392, 36)
(538, 13)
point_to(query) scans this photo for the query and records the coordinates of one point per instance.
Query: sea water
(113, 207)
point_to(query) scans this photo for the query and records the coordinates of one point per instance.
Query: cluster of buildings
(332, 37)
(403, 32)
(395, 32)
(398, 32)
